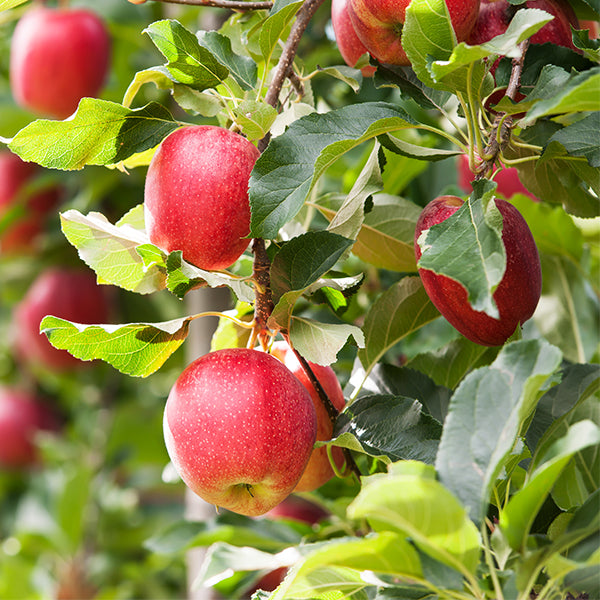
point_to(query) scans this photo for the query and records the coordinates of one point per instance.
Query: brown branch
(262, 281)
(231, 4)
(501, 130)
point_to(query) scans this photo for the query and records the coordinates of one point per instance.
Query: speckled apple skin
(495, 17)
(58, 56)
(239, 428)
(71, 294)
(350, 47)
(378, 25)
(516, 296)
(318, 471)
(196, 195)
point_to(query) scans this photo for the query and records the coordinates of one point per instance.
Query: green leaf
(472, 237)
(304, 259)
(188, 61)
(568, 314)
(427, 32)
(255, 118)
(287, 170)
(578, 93)
(517, 517)
(402, 309)
(420, 508)
(274, 26)
(336, 566)
(159, 76)
(394, 426)
(581, 138)
(8, 4)
(111, 250)
(242, 68)
(400, 146)
(485, 416)
(100, 133)
(136, 349)
(321, 342)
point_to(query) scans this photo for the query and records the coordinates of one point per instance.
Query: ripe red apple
(318, 471)
(378, 25)
(196, 195)
(66, 293)
(22, 416)
(517, 294)
(239, 428)
(298, 508)
(57, 57)
(592, 26)
(507, 179)
(268, 582)
(15, 176)
(495, 16)
(350, 47)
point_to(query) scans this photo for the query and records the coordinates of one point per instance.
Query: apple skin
(318, 471)
(378, 25)
(507, 179)
(516, 296)
(58, 56)
(350, 47)
(22, 416)
(15, 175)
(196, 195)
(298, 508)
(239, 428)
(70, 294)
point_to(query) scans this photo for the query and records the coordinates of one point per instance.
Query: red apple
(196, 195)
(592, 27)
(378, 25)
(239, 428)
(57, 57)
(517, 294)
(507, 179)
(268, 582)
(297, 508)
(66, 293)
(318, 471)
(15, 177)
(350, 47)
(22, 416)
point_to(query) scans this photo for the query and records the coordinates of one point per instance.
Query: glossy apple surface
(16, 177)
(22, 416)
(350, 47)
(239, 428)
(196, 195)
(318, 471)
(66, 293)
(378, 25)
(507, 179)
(58, 56)
(516, 296)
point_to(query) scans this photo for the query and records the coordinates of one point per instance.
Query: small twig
(501, 130)
(231, 4)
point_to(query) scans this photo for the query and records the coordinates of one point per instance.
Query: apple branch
(230, 4)
(501, 130)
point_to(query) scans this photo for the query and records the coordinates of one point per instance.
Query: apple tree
(462, 463)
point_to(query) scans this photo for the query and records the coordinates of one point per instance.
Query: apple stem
(500, 133)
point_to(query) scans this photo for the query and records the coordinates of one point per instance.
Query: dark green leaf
(581, 138)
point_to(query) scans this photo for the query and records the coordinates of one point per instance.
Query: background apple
(239, 428)
(196, 195)
(350, 47)
(31, 207)
(507, 179)
(517, 294)
(318, 471)
(57, 57)
(297, 508)
(71, 294)
(22, 416)
(378, 25)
